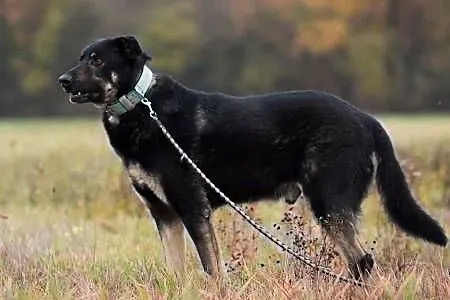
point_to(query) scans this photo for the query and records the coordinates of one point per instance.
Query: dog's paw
(363, 267)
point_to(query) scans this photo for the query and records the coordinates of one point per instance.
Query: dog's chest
(144, 179)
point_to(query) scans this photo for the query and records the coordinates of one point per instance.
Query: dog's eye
(95, 60)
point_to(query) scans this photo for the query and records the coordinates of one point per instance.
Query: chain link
(303, 258)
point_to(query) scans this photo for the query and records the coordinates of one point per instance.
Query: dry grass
(70, 228)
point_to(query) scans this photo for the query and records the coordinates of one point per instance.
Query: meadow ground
(71, 228)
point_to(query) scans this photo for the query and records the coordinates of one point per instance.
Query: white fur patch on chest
(152, 182)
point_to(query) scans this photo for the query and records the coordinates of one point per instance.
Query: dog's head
(108, 69)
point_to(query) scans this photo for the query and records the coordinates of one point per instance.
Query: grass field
(71, 228)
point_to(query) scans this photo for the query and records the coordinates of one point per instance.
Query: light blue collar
(129, 101)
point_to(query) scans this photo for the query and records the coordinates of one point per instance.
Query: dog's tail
(397, 198)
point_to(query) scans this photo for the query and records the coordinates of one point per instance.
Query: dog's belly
(243, 186)
(252, 177)
(289, 192)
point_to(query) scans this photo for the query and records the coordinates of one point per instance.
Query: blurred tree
(171, 35)
(380, 54)
(8, 86)
(405, 39)
(41, 46)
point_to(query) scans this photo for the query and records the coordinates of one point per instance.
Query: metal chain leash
(306, 260)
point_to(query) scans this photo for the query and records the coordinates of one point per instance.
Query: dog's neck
(129, 101)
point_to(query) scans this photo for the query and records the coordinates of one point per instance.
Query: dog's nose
(65, 80)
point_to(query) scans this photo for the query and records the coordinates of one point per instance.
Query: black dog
(250, 147)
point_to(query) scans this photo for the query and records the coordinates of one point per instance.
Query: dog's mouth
(78, 97)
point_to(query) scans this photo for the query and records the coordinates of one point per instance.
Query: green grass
(71, 228)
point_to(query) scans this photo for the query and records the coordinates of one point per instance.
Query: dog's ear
(129, 47)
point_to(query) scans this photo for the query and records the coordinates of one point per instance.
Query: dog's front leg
(189, 200)
(170, 228)
(202, 233)
(171, 233)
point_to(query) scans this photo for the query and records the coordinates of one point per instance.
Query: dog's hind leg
(340, 226)
(335, 195)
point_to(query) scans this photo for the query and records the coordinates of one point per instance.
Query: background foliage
(389, 55)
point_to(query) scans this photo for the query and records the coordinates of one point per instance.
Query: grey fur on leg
(171, 233)
(341, 228)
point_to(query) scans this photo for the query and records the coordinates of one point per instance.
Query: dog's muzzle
(66, 82)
